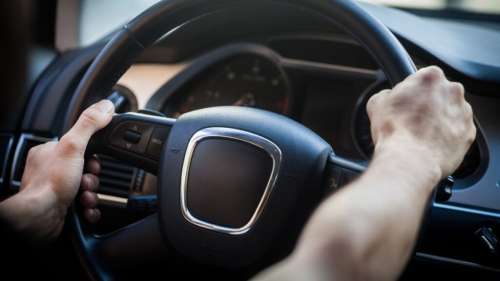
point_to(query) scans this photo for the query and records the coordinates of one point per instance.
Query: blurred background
(481, 6)
(98, 17)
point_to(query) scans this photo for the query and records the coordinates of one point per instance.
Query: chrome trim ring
(233, 134)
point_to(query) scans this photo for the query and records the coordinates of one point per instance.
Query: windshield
(478, 6)
(99, 18)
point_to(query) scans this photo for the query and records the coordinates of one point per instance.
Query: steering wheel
(233, 182)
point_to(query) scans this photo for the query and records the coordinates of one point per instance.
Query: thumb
(94, 118)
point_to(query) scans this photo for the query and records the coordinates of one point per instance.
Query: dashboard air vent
(117, 178)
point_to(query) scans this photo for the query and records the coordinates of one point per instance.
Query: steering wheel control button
(444, 189)
(155, 145)
(132, 136)
(340, 172)
(227, 177)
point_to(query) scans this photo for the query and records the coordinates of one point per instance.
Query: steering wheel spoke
(135, 138)
(341, 171)
(129, 247)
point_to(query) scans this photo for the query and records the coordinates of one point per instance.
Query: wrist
(32, 214)
(410, 157)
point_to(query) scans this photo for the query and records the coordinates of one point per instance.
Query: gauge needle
(247, 99)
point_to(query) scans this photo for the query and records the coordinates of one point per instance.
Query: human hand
(88, 186)
(52, 177)
(424, 116)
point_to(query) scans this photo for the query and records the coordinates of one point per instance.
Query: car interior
(267, 95)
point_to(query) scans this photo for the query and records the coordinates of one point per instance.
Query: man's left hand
(52, 177)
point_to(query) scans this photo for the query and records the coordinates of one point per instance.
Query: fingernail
(105, 106)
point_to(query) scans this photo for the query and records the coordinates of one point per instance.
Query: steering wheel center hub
(232, 179)
(227, 177)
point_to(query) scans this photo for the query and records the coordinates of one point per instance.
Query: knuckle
(457, 87)
(469, 112)
(473, 132)
(373, 100)
(33, 152)
(434, 71)
(69, 144)
(93, 181)
(431, 74)
(471, 137)
(457, 91)
(89, 117)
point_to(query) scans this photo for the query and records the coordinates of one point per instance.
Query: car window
(98, 18)
(478, 6)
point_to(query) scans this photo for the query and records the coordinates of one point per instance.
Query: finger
(92, 215)
(89, 182)
(92, 119)
(472, 134)
(430, 75)
(373, 101)
(93, 166)
(469, 113)
(457, 92)
(88, 199)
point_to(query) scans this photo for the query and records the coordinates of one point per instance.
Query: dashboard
(247, 74)
(243, 80)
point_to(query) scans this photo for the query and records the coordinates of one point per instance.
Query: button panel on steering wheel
(136, 138)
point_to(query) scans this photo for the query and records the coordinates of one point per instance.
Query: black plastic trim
(425, 256)
(53, 89)
(459, 46)
(6, 157)
(21, 151)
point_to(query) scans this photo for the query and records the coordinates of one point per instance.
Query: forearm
(366, 231)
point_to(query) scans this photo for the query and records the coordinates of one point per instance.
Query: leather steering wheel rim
(143, 31)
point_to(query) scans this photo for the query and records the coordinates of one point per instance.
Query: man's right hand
(428, 113)
(367, 230)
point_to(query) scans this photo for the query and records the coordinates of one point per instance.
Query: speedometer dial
(243, 80)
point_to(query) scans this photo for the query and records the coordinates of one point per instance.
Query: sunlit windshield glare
(479, 6)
